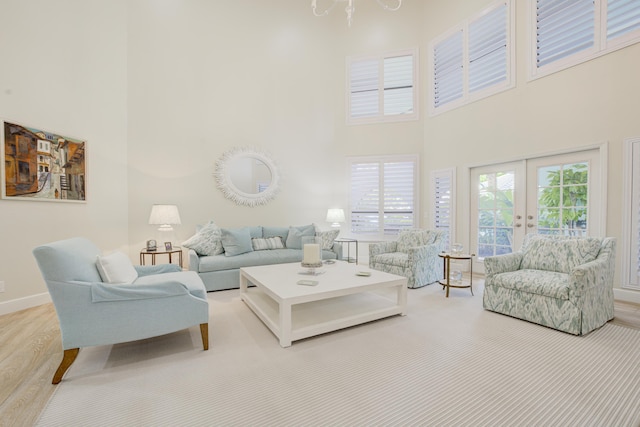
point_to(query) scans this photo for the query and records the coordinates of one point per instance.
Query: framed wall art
(42, 165)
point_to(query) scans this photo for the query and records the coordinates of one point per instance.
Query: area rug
(447, 363)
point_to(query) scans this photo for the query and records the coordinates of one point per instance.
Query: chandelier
(351, 8)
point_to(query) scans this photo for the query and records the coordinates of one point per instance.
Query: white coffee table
(340, 299)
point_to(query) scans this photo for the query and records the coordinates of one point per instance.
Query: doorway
(552, 195)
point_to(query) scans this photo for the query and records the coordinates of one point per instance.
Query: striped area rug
(447, 363)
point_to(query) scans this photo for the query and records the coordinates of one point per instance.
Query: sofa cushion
(399, 259)
(275, 256)
(266, 243)
(236, 241)
(411, 238)
(281, 232)
(116, 268)
(207, 240)
(559, 254)
(295, 235)
(546, 283)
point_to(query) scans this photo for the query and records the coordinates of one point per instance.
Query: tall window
(443, 184)
(565, 33)
(382, 88)
(631, 244)
(382, 194)
(474, 59)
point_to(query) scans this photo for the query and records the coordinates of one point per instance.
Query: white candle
(311, 253)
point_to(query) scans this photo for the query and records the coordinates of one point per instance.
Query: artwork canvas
(42, 165)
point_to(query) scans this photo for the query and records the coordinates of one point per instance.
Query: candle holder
(312, 255)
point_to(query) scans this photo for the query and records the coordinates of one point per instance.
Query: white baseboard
(14, 305)
(626, 295)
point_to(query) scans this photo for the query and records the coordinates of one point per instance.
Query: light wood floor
(31, 350)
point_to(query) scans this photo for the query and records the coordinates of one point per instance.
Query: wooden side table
(446, 282)
(176, 250)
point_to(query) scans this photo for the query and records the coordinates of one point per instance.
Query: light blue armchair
(161, 300)
(564, 283)
(414, 255)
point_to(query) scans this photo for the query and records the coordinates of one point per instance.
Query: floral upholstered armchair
(561, 282)
(414, 255)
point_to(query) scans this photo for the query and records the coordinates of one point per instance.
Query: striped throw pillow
(261, 244)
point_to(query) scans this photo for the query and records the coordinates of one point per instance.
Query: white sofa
(218, 256)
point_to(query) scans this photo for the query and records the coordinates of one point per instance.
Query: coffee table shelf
(340, 300)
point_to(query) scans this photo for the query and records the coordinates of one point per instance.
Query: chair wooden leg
(68, 358)
(204, 331)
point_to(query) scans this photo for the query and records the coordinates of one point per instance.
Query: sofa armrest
(146, 270)
(194, 260)
(590, 275)
(502, 263)
(337, 249)
(382, 248)
(105, 292)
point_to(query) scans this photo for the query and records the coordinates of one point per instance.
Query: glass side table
(342, 241)
(462, 283)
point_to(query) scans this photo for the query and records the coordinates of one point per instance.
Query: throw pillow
(294, 238)
(116, 268)
(261, 244)
(327, 238)
(236, 241)
(282, 232)
(206, 241)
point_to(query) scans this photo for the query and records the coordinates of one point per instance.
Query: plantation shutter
(442, 187)
(623, 16)
(365, 197)
(382, 88)
(398, 85)
(563, 28)
(382, 196)
(448, 69)
(398, 196)
(488, 49)
(364, 88)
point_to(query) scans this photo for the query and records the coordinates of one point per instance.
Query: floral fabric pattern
(576, 302)
(414, 255)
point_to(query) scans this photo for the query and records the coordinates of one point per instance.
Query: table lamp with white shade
(166, 216)
(335, 217)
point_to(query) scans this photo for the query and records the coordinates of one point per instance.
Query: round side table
(446, 282)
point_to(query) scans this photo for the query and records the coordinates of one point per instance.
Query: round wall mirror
(247, 176)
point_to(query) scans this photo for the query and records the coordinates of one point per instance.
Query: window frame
(601, 45)
(631, 146)
(380, 234)
(381, 117)
(510, 65)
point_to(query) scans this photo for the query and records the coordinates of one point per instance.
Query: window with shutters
(382, 88)
(473, 60)
(631, 235)
(382, 195)
(443, 212)
(569, 32)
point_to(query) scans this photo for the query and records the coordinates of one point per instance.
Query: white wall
(64, 70)
(205, 77)
(588, 104)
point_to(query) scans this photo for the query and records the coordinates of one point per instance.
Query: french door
(557, 195)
